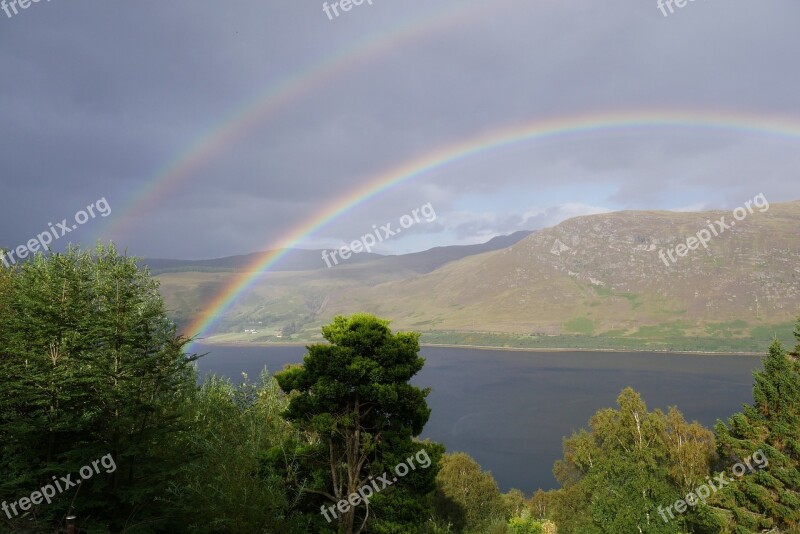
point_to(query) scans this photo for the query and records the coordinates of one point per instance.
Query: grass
(580, 325)
(723, 338)
(660, 339)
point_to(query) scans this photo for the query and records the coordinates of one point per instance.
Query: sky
(99, 100)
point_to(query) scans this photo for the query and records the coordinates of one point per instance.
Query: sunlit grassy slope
(590, 282)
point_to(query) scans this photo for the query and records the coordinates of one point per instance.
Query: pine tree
(770, 497)
(89, 366)
(352, 397)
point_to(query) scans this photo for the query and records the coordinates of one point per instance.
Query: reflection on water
(510, 410)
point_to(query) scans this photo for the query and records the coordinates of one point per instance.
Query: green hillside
(590, 282)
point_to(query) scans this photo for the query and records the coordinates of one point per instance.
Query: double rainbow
(279, 96)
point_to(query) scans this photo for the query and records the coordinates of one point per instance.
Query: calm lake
(510, 410)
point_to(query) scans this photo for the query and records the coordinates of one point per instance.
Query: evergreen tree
(768, 497)
(89, 366)
(353, 400)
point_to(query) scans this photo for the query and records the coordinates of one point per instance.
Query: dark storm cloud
(97, 98)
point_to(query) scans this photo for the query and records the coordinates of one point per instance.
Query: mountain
(597, 278)
(432, 259)
(295, 291)
(293, 260)
(307, 260)
(604, 274)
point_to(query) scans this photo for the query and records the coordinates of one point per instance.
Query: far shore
(212, 342)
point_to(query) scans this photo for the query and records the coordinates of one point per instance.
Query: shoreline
(489, 347)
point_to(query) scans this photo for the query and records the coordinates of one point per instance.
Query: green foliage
(524, 525)
(766, 498)
(514, 503)
(467, 497)
(228, 486)
(631, 461)
(353, 397)
(541, 504)
(89, 366)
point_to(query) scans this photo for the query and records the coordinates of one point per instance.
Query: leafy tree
(89, 366)
(766, 498)
(514, 503)
(524, 525)
(541, 504)
(522, 520)
(630, 462)
(353, 401)
(226, 486)
(467, 497)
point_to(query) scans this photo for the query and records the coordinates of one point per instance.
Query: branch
(324, 494)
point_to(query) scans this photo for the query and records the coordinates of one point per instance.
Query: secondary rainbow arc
(279, 96)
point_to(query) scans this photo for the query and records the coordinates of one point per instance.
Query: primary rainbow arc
(482, 143)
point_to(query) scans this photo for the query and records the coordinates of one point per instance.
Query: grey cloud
(99, 98)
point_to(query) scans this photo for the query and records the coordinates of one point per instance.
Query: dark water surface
(510, 410)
